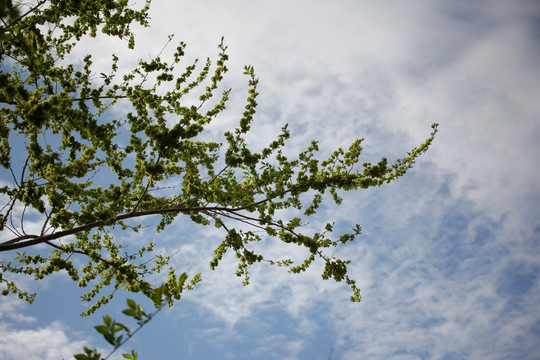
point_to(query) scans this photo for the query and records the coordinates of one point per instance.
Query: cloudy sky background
(448, 262)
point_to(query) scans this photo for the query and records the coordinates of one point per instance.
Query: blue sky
(448, 262)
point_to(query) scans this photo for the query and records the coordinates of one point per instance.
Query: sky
(448, 262)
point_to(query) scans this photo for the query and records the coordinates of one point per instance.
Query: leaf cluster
(91, 153)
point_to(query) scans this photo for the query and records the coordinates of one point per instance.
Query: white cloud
(11, 310)
(45, 343)
(489, 118)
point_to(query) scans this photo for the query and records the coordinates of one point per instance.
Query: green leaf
(110, 339)
(129, 312)
(102, 329)
(118, 327)
(157, 296)
(131, 303)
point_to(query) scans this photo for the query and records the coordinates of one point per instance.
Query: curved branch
(18, 243)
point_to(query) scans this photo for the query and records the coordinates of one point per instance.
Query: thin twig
(28, 12)
(73, 251)
(131, 334)
(115, 97)
(48, 217)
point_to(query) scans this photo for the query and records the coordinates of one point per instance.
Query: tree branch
(19, 242)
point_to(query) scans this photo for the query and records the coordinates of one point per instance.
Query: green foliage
(58, 131)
